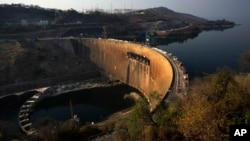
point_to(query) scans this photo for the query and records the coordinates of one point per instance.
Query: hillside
(165, 14)
(28, 60)
(19, 21)
(16, 12)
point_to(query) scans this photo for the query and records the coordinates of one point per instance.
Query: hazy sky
(202, 8)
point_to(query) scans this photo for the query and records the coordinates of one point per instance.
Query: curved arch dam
(133, 64)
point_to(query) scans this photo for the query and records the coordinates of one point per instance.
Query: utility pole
(71, 109)
(104, 32)
(111, 8)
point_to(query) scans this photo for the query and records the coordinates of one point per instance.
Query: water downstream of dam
(201, 55)
(90, 105)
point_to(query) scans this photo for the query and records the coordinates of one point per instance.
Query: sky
(203, 8)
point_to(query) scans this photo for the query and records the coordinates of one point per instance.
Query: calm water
(202, 54)
(212, 49)
(91, 105)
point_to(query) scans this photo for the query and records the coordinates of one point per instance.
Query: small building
(43, 22)
(78, 22)
(24, 22)
(140, 13)
(150, 38)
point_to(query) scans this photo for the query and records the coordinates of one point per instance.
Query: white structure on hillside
(43, 22)
(24, 22)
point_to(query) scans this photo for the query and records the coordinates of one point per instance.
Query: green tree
(222, 82)
(138, 117)
(167, 122)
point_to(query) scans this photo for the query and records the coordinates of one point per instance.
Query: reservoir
(201, 55)
(212, 49)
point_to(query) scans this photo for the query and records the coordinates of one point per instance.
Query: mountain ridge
(24, 21)
(18, 12)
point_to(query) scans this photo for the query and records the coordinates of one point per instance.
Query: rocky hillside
(15, 13)
(165, 14)
(16, 20)
(27, 60)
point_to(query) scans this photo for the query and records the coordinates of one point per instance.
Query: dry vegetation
(213, 103)
(27, 60)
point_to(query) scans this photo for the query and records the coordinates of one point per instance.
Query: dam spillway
(133, 64)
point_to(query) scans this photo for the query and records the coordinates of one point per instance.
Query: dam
(133, 64)
(153, 72)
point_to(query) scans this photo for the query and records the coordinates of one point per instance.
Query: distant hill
(15, 13)
(163, 13)
(29, 21)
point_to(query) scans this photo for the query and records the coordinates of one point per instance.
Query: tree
(195, 116)
(245, 62)
(221, 83)
(167, 122)
(214, 103)
(47, 130)
(69, 130)
(138, 117)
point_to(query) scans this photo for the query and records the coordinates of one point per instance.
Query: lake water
(212, 49)
(203, 54)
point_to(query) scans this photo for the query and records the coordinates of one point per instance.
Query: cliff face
(27, 60)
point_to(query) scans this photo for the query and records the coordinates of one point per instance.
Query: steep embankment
(27, 60)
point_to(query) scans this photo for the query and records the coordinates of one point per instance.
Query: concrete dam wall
(133, 64)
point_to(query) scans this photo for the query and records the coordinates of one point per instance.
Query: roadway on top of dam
(180, 82)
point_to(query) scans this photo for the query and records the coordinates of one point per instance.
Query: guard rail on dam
(134, 64)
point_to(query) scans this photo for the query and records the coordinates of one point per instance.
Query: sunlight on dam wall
(133, 64)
